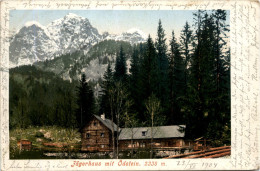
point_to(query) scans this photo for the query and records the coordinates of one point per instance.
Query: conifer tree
(163, 64)
(134, 69)
(195, 100)
(120, 66)
(221, 102)
(176, 77)
(134, 80)
(85, 101)
(148, 74)
(220, 34)
(185, 43)
(106, 84)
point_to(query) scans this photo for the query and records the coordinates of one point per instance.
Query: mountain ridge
(35, 42)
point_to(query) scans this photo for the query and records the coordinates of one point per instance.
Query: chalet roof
(107, 123)
(173, 131)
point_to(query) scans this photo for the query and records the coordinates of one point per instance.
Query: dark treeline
(184, 82)
(40, 98)
(189, 79)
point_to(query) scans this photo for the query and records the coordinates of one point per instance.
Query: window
(102, 134)
(88, 135)
(143, 133)
(95, 123)
(102, 146)
(142, 144)
(172, 143)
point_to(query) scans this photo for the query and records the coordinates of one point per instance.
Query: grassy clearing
(40, 135)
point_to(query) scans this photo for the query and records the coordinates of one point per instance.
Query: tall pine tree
(85, 102)
(148, 74)
(106, 84)
(120, 66)
(163, 64)
(185, 43)
(177, 85)
(134, 81)
(221, 102)
(194, 101)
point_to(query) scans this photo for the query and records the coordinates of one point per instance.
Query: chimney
(103, 116)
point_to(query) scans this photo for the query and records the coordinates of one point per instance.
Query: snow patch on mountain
(72, 32)
(137, 31)
(37, 24)
(30, 23)
(134, 36)
(32, 43)
(73, 16)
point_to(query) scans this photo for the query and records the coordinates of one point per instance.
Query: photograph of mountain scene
(103, 84)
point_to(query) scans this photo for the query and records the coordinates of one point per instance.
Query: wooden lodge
(163, 136)
(96, 135)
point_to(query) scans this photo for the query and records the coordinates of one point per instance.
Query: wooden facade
(146, 143)
(96, 135)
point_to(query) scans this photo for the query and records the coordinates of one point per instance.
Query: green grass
(38, 135)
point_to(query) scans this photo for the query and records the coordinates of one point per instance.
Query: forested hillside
(71, 65)
(40, 98)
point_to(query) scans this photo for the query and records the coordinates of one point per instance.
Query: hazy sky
(112, 21)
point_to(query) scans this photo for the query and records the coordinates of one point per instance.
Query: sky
(112, 21)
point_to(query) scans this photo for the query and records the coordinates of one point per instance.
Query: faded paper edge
(244, 82)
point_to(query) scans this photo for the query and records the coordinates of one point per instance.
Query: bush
(39, 135)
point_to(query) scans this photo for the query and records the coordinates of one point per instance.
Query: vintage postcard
(129, 85)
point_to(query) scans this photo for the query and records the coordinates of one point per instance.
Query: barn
(96, 135)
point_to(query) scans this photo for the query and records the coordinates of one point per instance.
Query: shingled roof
(107, 123)
(173, 131)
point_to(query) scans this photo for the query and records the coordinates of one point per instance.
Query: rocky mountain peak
(138, 32)
(35, 42)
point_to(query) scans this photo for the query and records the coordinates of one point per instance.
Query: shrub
(39, 134)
